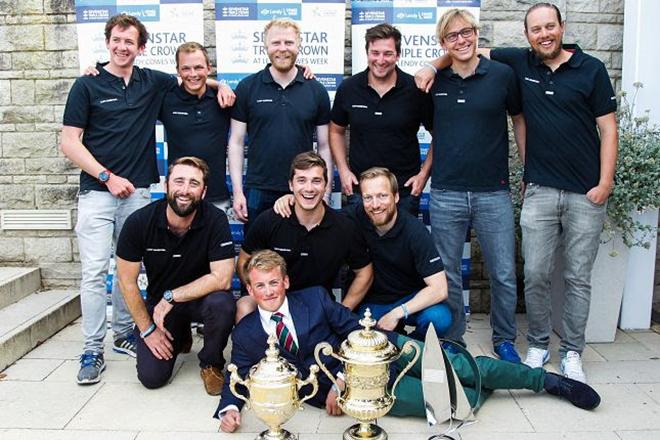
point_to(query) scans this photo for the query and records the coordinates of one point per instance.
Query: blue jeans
(551, 215)
(100, 219)
(491, 217)
(438, 314)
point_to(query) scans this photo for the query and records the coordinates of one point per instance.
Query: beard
(182, 211)
(550, 55)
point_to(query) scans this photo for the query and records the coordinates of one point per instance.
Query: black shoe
(578, 393)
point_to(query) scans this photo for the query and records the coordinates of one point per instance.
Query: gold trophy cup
(273, 386)
(366, 355)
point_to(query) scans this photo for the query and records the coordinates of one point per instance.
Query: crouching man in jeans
(187, 250)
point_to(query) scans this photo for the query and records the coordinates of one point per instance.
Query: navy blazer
(316, 318)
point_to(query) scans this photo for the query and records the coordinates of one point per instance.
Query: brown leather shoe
(213, 380)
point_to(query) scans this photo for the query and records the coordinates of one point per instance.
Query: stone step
(18, 282)
(33, 319)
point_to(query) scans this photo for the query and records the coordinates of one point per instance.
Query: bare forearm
(218, 279)
(235, 156)
(76, 152)
(608, 150)
(358, 288)
(134, 302)
(520, 135)
(338, 145)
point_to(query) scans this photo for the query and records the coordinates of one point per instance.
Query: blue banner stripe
(459, 3)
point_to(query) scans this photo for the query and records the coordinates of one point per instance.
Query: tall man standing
(114, 113)
(279, 110)
(384, 110)
(195, 123)
(470, 173)
(187, 250)
(569, 171)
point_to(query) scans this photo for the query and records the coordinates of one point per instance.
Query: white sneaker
(536, 357)
(571, 366)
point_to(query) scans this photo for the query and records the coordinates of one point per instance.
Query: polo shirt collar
(482, 68)
(326, 221)
(184, 94)
(135, 76)
(268, 78)
(161, 216)
(392, 233)
(574, 61)
(364, 78)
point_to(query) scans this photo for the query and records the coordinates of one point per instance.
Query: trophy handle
(409, 345)
(327, 350)
(311, 380)
(234, 379)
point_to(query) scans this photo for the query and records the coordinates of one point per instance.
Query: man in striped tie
(303, 318)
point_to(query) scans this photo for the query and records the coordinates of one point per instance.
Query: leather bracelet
(148, 331)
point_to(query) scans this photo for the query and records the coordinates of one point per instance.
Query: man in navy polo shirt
(570, 160)
(314, 240)
(279, 110)
(470, 173)
(410, 287)
(195, 123)
(114, 113)
(384, 110)
(187, 250)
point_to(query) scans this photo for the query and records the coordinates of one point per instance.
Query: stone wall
(38, 61)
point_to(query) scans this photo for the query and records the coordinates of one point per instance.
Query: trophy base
(272, 435)
(364, 431)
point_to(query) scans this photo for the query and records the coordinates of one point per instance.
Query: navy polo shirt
(198, 127)
(118, 122)
(383, 129)
(561, 107)
(172, 261)
(470, 128)
(312, 257)
(281, 123)
(402, 257)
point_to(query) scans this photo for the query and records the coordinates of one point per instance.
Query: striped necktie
(283, 334)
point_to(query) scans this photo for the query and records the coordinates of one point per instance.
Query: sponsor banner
(239, 37)
(168, 22)
(416, 19)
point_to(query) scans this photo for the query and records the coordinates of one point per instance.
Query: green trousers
(495, 375)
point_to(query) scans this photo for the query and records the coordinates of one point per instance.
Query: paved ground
(39, 399)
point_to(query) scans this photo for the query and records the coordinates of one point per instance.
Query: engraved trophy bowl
(366, 356)
(273, 386)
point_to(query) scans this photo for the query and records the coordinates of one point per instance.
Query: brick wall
(38, 61)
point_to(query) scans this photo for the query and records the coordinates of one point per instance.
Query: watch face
(167, 295)
(104, 176)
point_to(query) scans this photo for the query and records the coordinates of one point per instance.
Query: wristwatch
(168, 296)
(104, 176)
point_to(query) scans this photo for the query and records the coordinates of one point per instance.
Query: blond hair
(265, 261)
(283, 23)
(375, 172)
(442, 28)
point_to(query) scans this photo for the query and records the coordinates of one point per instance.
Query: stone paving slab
(39, 399)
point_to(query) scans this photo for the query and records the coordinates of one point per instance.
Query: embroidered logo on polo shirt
(180, 113)
(276, 249)
(226, 243)
(176, 256)
(535, 81)
(359, 106)
(156, 250)
(261, 101)
(433, 260)
(105, 101)
(441, 94)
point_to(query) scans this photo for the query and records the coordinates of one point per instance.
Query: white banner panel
(169, 23)
(239, 37)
